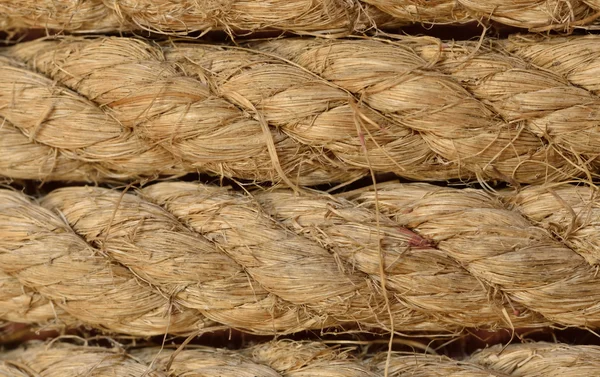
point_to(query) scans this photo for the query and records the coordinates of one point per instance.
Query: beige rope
(125, 109)
(179, 256)
(336, 17)
(294, 359)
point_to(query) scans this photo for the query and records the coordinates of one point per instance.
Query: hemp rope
(294, 359)
(178, 256)
(111, 109)
(300, 16)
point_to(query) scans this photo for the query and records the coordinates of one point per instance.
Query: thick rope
(178, 256)
(336, 17)
(112, 109)
(294, 359)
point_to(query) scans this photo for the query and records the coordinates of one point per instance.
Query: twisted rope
(299, 16)
(302, 111)
(294, 359)
(178, 256)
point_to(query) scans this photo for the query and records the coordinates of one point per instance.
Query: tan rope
(125, 109)
(179, 256)
(294, 359)
(332, 17)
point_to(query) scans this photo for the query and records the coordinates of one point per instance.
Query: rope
(294, 359)
(325, 17)
(116, 109)
(176, 257)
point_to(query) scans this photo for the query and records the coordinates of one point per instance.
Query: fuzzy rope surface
(176, 257)
(299, 16)
(301, 111)
(294, 359)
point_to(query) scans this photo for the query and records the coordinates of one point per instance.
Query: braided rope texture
(302, 111)
(176, 257)
(299, 16)
(294, 359)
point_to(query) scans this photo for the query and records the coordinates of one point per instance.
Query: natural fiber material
(312, 111)
(185, 16)
(300, 16)
(294, 359)
(177, 257)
